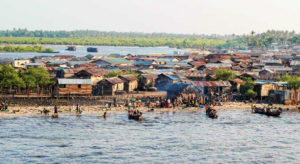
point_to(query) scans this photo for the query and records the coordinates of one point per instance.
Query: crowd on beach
(164, 102)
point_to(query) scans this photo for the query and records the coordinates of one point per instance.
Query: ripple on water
(181, 137)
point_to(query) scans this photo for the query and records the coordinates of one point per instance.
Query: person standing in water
(104, 115)
(55, 109)
(78, 109)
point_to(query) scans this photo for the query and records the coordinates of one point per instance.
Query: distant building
(20, 63)
(113, 62)
(35, 65)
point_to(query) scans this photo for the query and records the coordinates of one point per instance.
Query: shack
(94, 74)
(164, 81)
(66, 73)
(74, 87)
(110, 86)
(213, 88)
(147, 81)
(130, 82)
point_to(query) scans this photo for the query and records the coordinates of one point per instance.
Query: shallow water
(180, 137)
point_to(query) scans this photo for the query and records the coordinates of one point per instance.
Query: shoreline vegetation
(112, 38)
(20, 48)
(119, 41)
(20, 111)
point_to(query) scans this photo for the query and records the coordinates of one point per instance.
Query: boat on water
(55, 115)
(267, 111)
(135, 115)
(92, 49)
(71, 48)
(78, 114)
(211, 113)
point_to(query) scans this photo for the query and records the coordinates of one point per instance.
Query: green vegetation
(36, 77)
(91, 37)
(225, 75)
(10, 79)
(247, 87)
(118, 73)
(32, 79)
(141, 42)
(250, 93)
(266, 39)
(14, 48)
(293, 81)
(100, 34)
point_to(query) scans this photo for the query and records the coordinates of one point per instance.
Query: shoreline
(35, 111)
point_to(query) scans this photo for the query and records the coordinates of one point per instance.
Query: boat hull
(135, 117)
(212, 113)
(274, 113)
(55, 115)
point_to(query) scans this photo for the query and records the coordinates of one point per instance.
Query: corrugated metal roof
(129, 77)
(34, 64)
(74, 81)
(57, 62)
(296, 62)
(171, 77)
(217, 65)
(114, 80)
(271, 61)
(77, 62)
(141, 62)
(116, 60)
(212, 83)
(71, 71)
(150, 76)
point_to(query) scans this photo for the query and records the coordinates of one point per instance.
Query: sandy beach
(18, 111)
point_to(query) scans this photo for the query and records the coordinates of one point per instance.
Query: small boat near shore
(79, 114)
(267, 111)
(55, 115)
(211, 113)
(135, 115)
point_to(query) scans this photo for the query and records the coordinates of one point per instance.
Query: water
(181, 137)
(102, 50)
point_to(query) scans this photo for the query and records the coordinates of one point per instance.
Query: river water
(181, 137)
(102, 50)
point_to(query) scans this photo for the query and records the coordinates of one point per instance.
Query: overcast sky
(172, 16)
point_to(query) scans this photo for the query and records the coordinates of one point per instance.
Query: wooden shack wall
(132, 85)
(73, 89)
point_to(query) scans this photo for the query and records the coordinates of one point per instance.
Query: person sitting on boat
(55, 109)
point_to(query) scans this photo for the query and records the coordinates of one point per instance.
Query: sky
(171, 16)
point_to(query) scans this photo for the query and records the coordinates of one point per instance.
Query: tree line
(101, 34)
(93, 37)
(17, 48)
(14, 81)
(140, 42)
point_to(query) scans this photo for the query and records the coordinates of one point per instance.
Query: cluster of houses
(86, 75)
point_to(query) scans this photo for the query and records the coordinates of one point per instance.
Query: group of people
(78, 110)
(134, 112)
